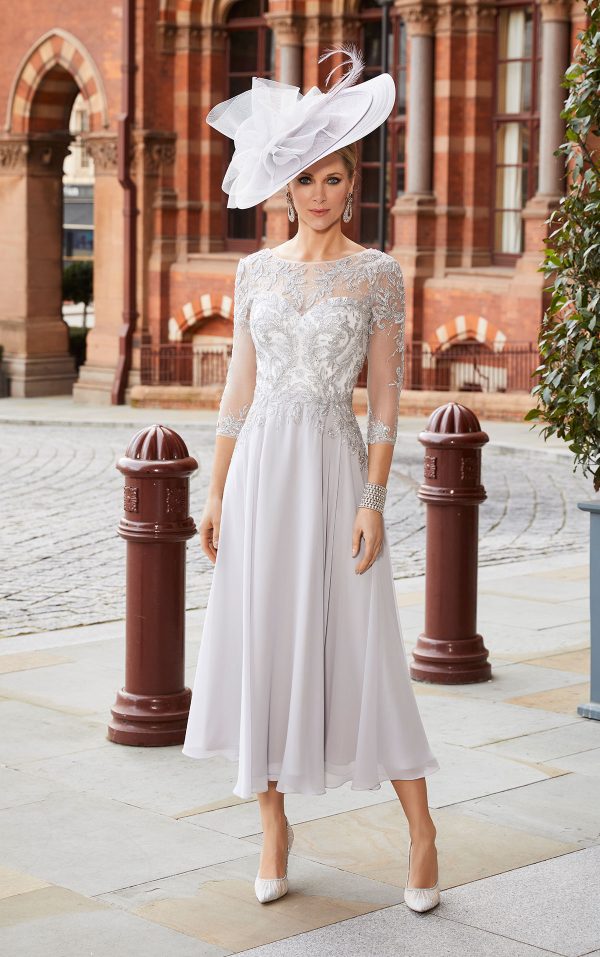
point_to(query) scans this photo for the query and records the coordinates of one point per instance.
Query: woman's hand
(210, 525)
(369, 524)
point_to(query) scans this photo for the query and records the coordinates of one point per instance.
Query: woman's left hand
(369, 524)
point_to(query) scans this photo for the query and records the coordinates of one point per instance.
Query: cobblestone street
(63, 563)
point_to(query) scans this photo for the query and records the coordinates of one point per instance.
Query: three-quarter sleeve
(385, 353)
(240, 380)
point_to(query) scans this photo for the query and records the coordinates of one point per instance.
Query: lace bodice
(301, 332)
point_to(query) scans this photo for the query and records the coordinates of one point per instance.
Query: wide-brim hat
(278, 131)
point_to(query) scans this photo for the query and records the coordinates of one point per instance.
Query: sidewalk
(112, 851)
(62, 410)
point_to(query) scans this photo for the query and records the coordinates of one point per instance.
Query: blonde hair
(349, 155)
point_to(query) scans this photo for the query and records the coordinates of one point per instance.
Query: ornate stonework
(103, 150)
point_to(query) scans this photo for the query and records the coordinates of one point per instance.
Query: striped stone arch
(55, 48)
(467, 326)
(196, 311)
(167, 11)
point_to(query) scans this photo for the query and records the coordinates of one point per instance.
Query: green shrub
(568, 392)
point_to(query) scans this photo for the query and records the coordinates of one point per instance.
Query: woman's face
(323, 186)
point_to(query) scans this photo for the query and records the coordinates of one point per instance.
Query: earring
(347, 214)
(290, 206)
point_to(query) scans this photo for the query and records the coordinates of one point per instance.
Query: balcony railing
(460, 367)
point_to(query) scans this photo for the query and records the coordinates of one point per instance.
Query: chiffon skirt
(302, 675)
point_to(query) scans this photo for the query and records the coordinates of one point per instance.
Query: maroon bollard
(450, 651)
(153, 707)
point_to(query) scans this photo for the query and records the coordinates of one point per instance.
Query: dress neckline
(317, 262)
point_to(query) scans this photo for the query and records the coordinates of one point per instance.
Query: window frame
(241, 24)
(530, 119)
(395, 168)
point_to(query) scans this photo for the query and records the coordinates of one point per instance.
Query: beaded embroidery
(301, 334)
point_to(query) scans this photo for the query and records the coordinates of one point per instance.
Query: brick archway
(196, 311)
(33, 333)
(55, 49)
(470, 325)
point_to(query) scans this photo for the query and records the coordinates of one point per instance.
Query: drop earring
(347, 214)
(291, 210)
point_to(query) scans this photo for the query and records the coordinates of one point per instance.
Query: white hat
(278, 132)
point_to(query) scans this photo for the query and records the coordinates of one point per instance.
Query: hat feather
(357, 66)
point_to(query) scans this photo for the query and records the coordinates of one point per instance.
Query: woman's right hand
(210, 524)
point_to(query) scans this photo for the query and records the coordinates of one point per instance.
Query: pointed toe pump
(270, 888)
(420, 898)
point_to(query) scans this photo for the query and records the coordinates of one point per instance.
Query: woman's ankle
(423, 832)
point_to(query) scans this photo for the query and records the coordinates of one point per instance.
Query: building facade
(470, 175)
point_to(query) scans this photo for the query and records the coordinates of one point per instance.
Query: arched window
(250, 52)
(515, 124)
(367, 209)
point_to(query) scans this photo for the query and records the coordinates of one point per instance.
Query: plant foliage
(568, 392)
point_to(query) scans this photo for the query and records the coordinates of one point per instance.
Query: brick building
(470, 173)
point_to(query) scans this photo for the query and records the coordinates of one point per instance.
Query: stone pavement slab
(124, 848)
(398, 932)
(521, 912)
(218, 904)
(583, 762)
(55, 920)
(17, 787)
(549, 746)
(564, 807)
(93, 845)
(38, 731)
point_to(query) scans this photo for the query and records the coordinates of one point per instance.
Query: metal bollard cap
(157, 450)
(454, 426)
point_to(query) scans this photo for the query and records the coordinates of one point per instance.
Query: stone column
(419, 141)
(33, 334)
(474, 175)
(97, 373)
(287, 37)
(158, 243)
(414, 211)
(188, 67)
(556, 56)
(212, 143)
(555, 60)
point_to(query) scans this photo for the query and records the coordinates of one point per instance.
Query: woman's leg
(274, 849)
(423, 856)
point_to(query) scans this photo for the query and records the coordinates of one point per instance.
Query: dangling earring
(290, 206)
(347, 214)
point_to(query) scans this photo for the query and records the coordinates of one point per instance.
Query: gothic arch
(62, 49)
(467, 326)
(215, 12)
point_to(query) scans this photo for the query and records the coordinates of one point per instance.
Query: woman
(302, 675)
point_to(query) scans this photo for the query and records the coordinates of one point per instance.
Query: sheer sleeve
(385, 353)
(240, 381)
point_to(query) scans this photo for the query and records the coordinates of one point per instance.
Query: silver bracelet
(373, 496)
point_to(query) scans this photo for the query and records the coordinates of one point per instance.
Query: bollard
(153, 706)
(450, 651)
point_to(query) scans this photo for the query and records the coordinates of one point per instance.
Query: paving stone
(93, 845)
(55, 922)
(561, 808)
(36, 732)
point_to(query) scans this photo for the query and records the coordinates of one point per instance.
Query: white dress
(302, 675)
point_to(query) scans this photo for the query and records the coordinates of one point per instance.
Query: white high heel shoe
(420, 898)
(270, 888)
